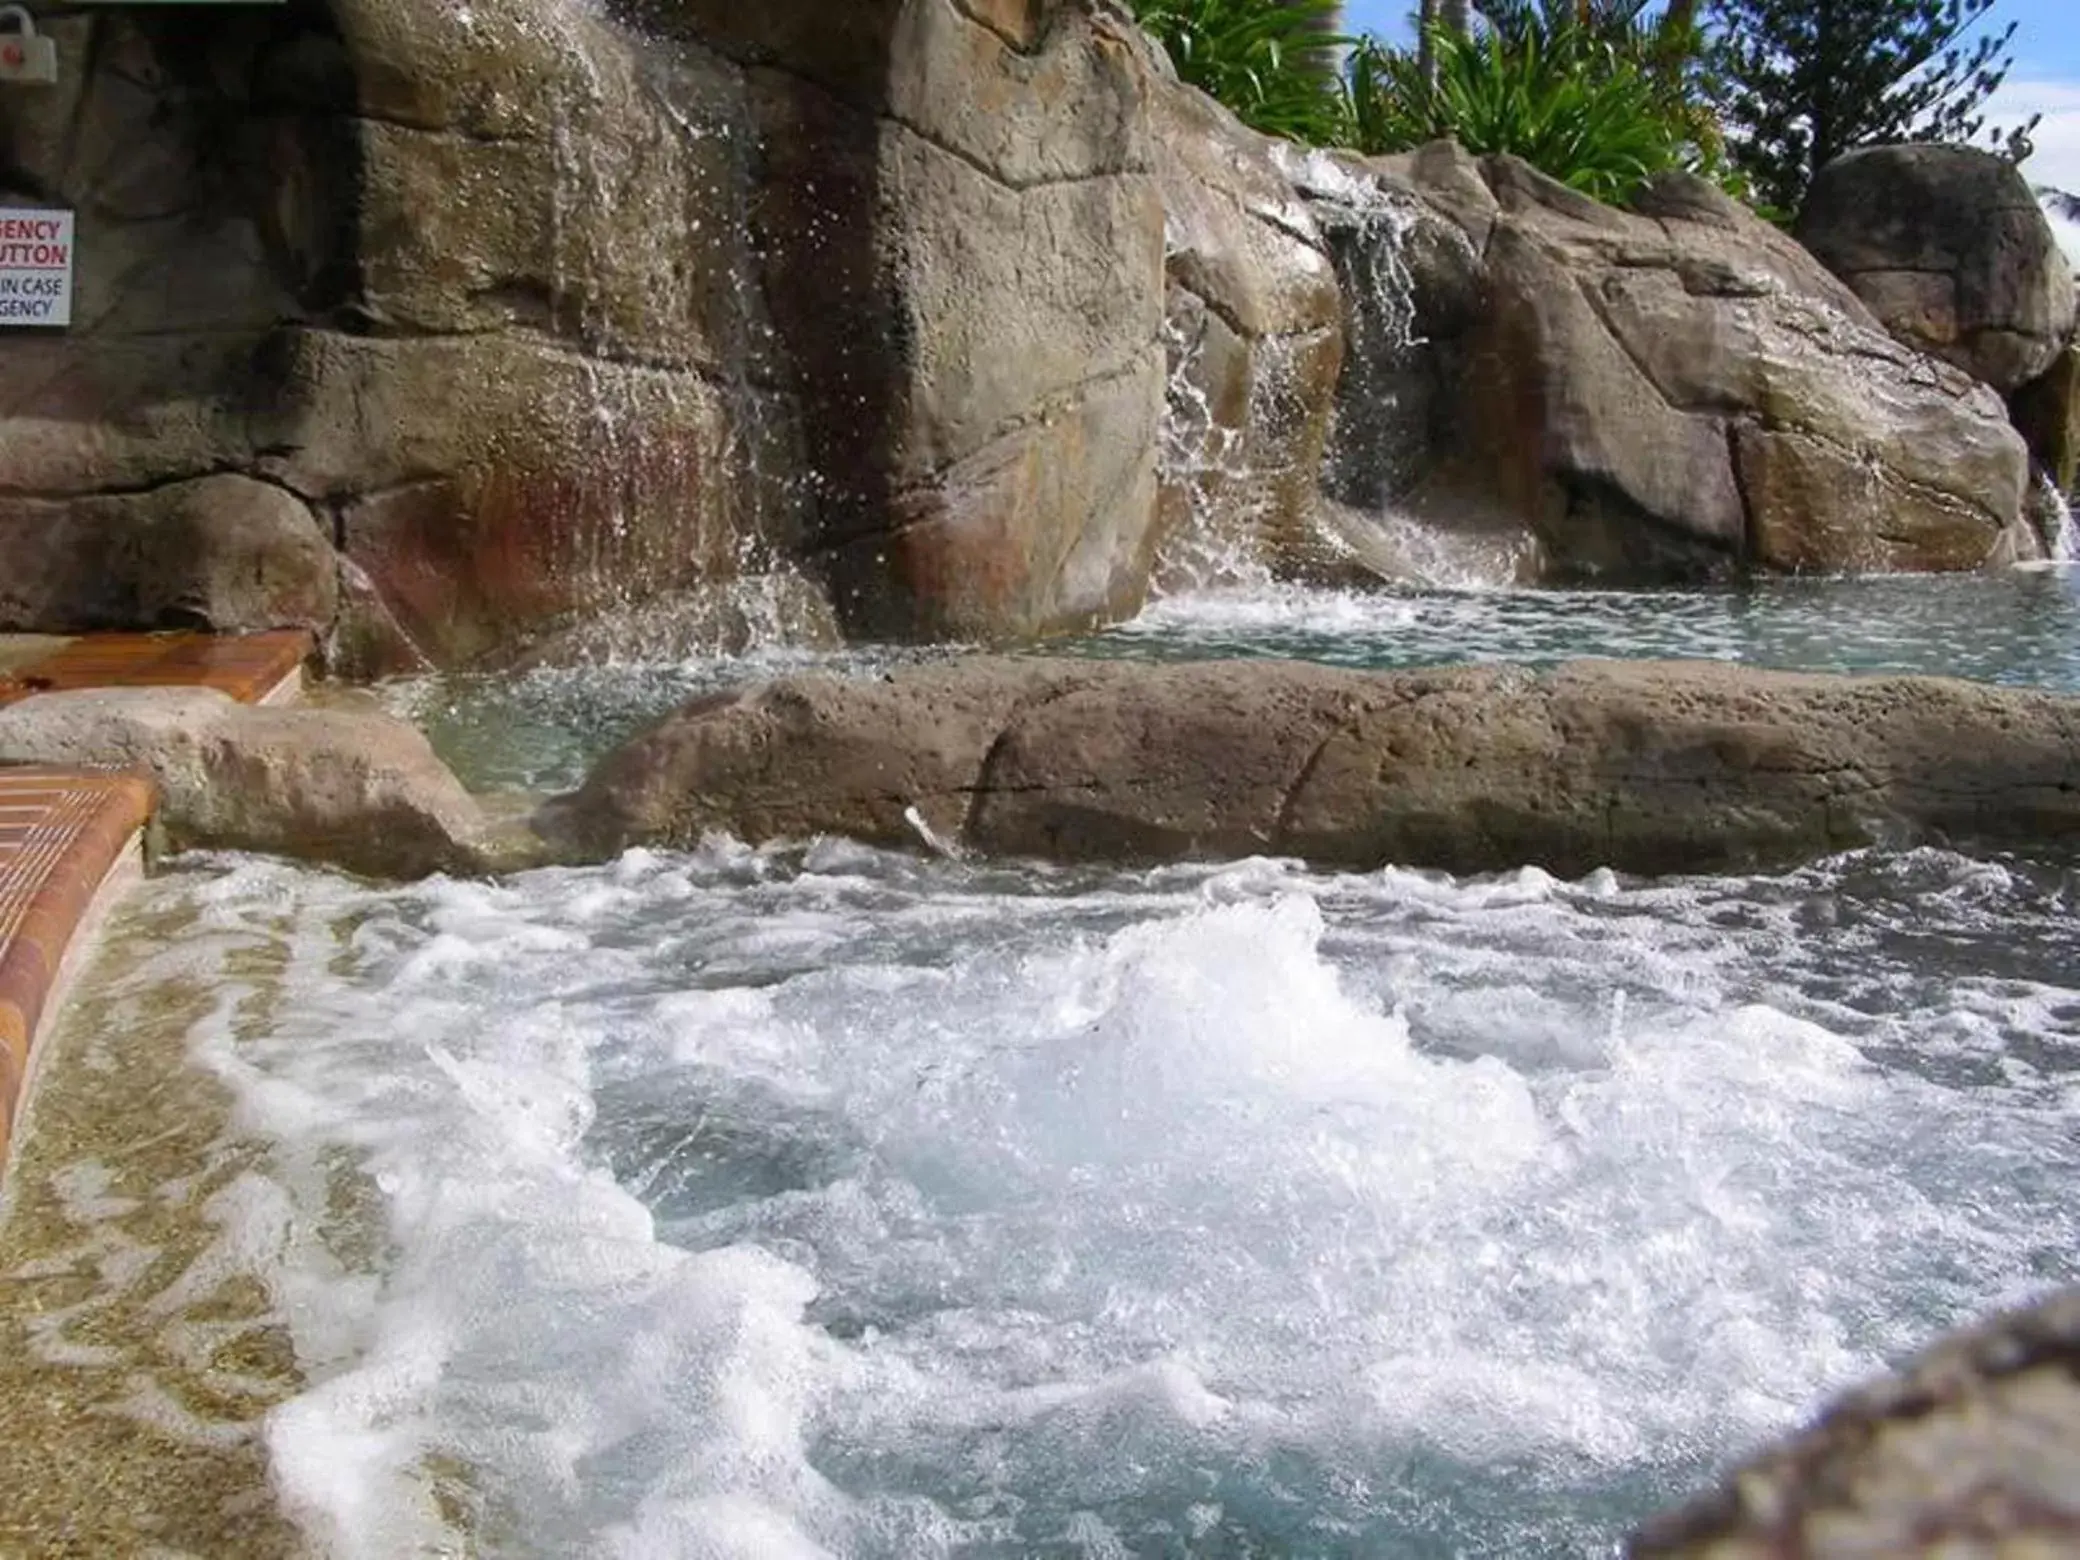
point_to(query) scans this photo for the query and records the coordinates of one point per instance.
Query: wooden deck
(69, 848)
(252, 668)
(70, 840)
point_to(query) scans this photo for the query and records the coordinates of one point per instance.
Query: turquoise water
(2017, 626)
(539, 730)
(827, 1202)
(818, 1201)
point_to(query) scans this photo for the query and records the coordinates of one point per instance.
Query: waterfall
(1230, 521)
(1382, 407)
(687, 502)
(1375, 503)
(2059, 539)
(1369, 228)
(1197, 459)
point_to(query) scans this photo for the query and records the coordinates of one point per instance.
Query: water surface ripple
(822, 1201)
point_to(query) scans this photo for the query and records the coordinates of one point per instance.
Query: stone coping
(70, 845)
(264, 668)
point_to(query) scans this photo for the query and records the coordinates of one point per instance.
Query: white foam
(769, 1203)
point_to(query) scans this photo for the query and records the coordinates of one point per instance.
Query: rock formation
(464, 295)
(445, 329)
(355, 789)
(1255, 337)
(1639, 767)
(1973, 1449)
(1675, 392)
(1948, 248)
(965, 266)
(484, 318)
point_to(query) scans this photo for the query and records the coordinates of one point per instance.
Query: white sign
(35, 267)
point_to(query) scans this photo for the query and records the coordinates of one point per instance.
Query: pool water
(539, 729)
(813, 1200)
(829, 1202)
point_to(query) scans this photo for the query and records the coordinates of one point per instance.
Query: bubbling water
(828, 1202)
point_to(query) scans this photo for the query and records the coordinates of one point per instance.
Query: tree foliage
(1274, 62)
(1601, 94)
(1799, 82)
(1592, 92)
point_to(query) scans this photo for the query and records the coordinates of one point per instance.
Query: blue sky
(2047, 33)
(2045, 79)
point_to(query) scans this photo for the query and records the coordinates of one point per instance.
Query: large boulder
(1640, 767)
(356, 789)
(469, 291)
(1674, 392)
(1972, 1449)
(1948, 247)
(531, 312)
(1254, 339)
(965, 246)
(227, 552)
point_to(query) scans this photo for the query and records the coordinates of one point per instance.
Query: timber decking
(69, 843)
(252, 668)
(70, 840)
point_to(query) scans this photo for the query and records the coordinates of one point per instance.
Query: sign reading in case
(35, 266)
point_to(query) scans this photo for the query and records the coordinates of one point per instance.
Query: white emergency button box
(25, 58)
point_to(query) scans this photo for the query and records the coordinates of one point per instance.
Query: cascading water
(2061, 540)
(691, 488)
(1384, 405)
(1379, 413)
(1199, 461)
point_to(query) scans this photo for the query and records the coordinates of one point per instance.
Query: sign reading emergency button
(35, 266)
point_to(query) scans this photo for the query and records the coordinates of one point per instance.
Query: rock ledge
(1643, 767)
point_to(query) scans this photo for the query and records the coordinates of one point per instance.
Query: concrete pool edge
(71, 846)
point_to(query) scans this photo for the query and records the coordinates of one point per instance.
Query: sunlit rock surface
(359, 789)
(1638, 766)
(963, 246)
(1677, 392)
(1948, 247)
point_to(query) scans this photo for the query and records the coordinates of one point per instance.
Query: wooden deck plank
(252, 668)
(67, 837)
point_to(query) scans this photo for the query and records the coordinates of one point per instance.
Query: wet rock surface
(1676, 392)
(1972, 1449)
(525, 312)
(963, 246)
(1643, 767)
(466, 293)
